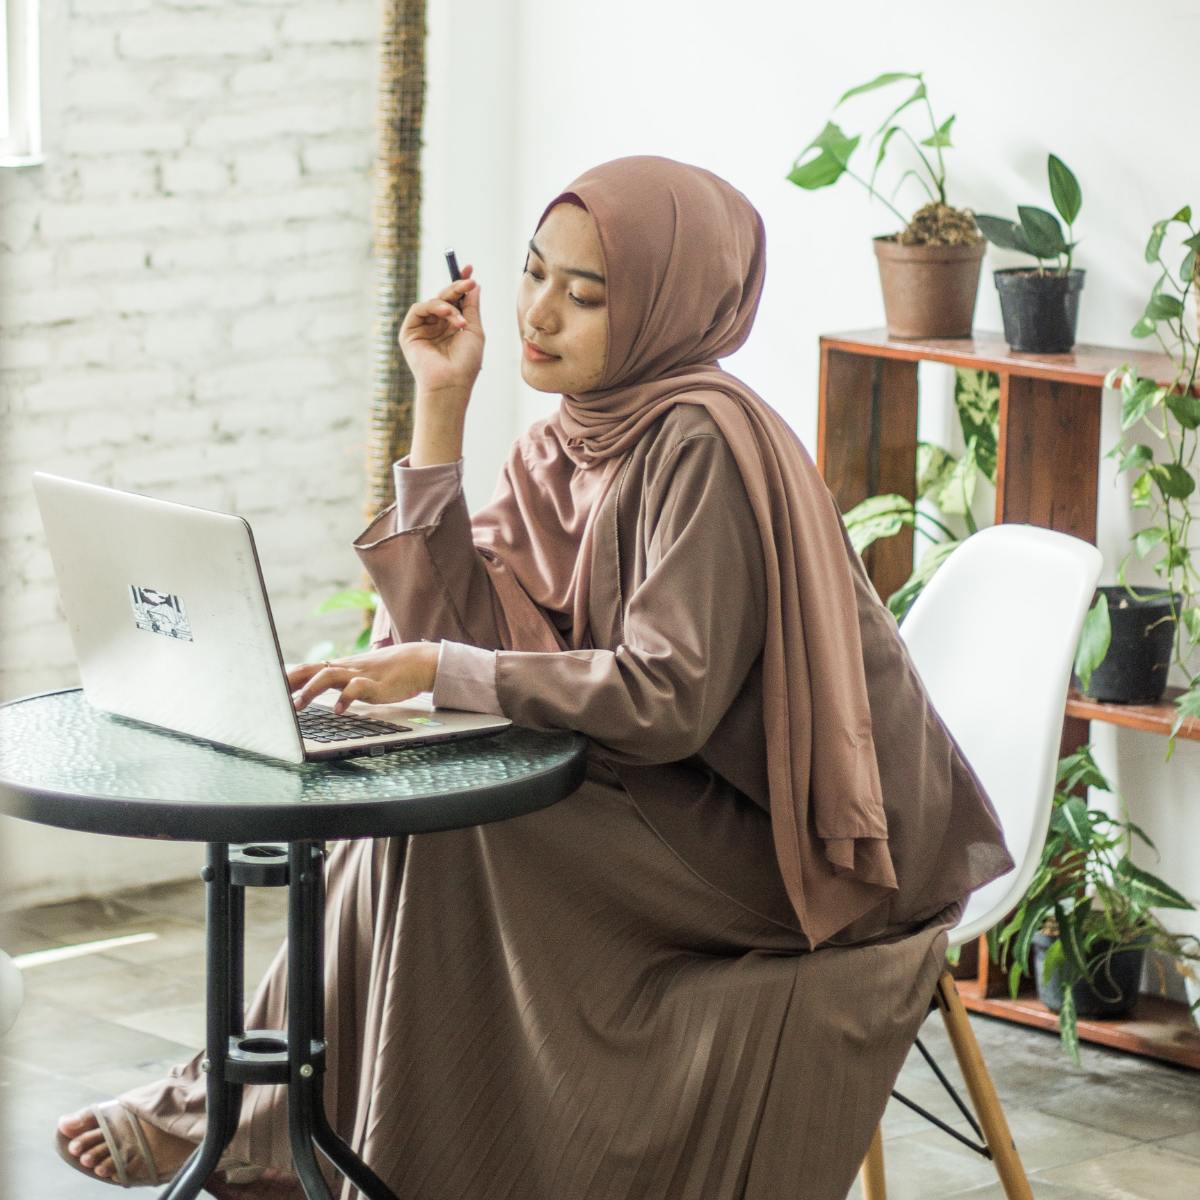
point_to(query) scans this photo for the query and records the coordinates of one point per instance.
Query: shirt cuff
(466, 679)
(422, 493)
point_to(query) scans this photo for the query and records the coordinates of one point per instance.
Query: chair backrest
(993, 637)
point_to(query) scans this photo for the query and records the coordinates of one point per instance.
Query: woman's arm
(693, 629)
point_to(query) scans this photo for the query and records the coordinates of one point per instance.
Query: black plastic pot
(1134, 670)
(1040, 312)
(1116, 989)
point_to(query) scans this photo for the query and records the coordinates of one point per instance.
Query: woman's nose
(540, 315)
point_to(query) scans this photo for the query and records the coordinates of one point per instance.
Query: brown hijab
(684, 259)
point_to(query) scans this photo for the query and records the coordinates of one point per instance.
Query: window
(20, 100)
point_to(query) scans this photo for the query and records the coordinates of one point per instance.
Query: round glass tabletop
(65, 763)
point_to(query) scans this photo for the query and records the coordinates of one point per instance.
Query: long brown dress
(612, 999)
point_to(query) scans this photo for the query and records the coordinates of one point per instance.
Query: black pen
(455, 274)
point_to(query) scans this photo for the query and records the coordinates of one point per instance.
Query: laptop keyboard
(319, 724)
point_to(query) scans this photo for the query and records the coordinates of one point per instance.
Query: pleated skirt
(605, 1000)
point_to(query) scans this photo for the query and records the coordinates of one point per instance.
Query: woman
(698, 976)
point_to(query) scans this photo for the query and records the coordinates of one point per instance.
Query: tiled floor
(1120, 1128)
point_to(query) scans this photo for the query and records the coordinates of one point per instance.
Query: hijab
(684, 257)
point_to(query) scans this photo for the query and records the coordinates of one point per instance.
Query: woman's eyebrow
(569, 270)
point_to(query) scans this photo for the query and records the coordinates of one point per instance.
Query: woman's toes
(71, 1124)
(85, 1141)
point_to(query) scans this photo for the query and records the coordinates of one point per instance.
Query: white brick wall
(186, 282)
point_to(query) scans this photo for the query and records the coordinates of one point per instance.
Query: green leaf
(934, 466)
(977, 399)
(1139, 493)
(1164, 307)
(1191, 622)
(917, 96)
(1187, 704)
(1042, 231)
(1070, 933)
(363, 641)
(1192, 243)
(1175, 482)
(1184, 215)
(1072, 819)
(352, 598)
(878, 82)
(1147, 890)
(1068, 1027)
(1143, 328)
(958, 490)
(1094, 641)
(1185, 408)
(940, 138)
(1138, 456)
(1064, 189)
(1146, 539)
(883, 145)
(878, 517)
(1000, 232)
(834, 149)
(1154, 245)
(1139, 402)
(1187, 268)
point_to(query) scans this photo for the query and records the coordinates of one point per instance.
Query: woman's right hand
(442, 346)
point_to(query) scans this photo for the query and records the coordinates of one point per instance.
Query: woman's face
(562, 305)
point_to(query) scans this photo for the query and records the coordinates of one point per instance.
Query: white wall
(1108, 87)
(526, 94)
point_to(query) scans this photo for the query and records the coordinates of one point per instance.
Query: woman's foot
(85, 1142)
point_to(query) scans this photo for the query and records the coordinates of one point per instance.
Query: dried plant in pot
(929, 270)
(1040, 305)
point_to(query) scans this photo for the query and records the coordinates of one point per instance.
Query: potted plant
(929, 271)
(1040, 306)
(1161, 465)
(1086, 920)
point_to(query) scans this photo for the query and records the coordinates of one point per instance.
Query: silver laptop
(171, 626)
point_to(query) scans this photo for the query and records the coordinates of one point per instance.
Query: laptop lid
(168, 615)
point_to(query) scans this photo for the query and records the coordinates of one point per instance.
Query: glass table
(64, 763)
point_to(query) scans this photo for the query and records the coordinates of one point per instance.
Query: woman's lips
(533, 354)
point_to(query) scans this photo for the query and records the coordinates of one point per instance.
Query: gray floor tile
(1145, 1172)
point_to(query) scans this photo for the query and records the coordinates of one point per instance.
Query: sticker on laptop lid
(160, 612)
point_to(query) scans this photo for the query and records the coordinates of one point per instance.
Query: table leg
(351, 1166)
(307, 1123)
(224, 916)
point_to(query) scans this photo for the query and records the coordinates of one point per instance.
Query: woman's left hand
(385, 676)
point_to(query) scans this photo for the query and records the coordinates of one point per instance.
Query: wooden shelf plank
(1158, 1028)
(1086, 365)
(1151, 718)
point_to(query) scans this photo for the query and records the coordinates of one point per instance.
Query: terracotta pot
(929, 291)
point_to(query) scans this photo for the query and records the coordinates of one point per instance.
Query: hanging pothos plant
(1163, 465)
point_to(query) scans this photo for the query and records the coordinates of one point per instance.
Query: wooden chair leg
(874, 1186)
(983, 1092)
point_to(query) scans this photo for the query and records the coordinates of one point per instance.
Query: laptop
(171, 627)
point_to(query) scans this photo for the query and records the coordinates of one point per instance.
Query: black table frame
(235, 1056)
(295, 1057)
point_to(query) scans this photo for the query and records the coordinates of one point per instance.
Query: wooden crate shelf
(1157, 1028)
(1048, 456)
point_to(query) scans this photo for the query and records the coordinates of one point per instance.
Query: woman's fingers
(358, 688)
(325, 677)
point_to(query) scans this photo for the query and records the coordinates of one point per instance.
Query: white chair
(993, 637)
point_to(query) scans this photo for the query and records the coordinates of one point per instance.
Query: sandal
(122, 1132)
